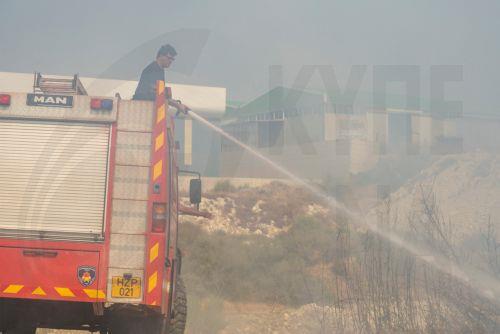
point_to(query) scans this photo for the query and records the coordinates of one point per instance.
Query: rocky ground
(266, 210)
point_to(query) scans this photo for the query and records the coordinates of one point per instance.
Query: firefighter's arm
(177, 104)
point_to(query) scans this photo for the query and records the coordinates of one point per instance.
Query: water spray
(485, 284)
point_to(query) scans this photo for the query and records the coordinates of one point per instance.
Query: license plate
(126, 287)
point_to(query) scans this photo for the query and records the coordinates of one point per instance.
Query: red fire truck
(89, 212)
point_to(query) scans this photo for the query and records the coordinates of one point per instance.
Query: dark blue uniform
(146, 89)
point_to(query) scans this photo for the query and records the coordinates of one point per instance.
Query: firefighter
(154, 72)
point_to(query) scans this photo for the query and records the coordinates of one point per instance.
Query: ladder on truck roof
(55, 85)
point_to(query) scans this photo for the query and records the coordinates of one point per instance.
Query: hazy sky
(246, 37)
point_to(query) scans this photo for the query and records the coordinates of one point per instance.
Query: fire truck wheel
(179, 317)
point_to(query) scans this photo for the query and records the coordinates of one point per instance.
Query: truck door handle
(39, 253)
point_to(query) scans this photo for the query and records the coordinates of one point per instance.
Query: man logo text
(49, 100)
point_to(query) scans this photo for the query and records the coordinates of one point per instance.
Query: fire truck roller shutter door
(53, 177)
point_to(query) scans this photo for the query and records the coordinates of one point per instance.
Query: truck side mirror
(195, 191)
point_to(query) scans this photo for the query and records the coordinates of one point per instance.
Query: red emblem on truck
(86, 275)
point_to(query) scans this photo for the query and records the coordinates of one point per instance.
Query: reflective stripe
(161, 89)
(157, 170)
(39, 292)
(153, 253)
(64, 292)
(92, 293)
(159, 141)
(153, 280)
(13, 288)
(161, 114)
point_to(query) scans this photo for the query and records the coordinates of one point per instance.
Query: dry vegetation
(318, 275)
(337, 280)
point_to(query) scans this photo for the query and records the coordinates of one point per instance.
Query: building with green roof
(318, 135)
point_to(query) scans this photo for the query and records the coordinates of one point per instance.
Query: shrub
(255, 268)
(224, 186)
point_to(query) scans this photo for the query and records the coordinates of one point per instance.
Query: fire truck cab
(88, 212)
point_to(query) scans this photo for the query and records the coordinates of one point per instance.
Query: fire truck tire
(179, 316)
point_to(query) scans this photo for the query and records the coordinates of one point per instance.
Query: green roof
(283, 99)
